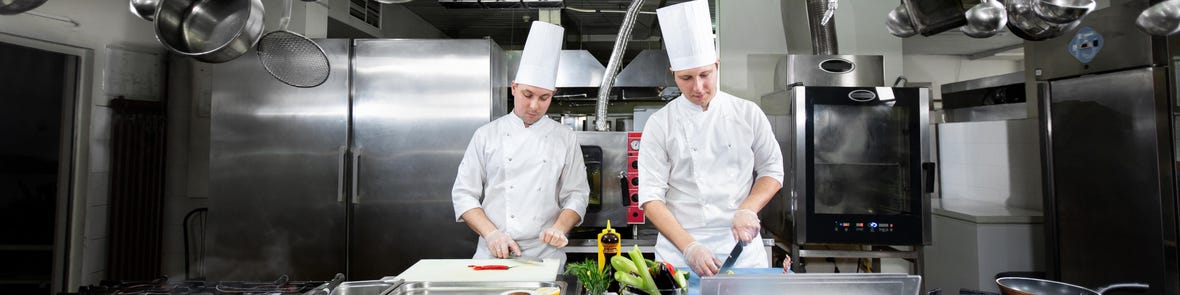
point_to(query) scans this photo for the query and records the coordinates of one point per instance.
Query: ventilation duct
(823, 36)
(801, 24)
(612, 65)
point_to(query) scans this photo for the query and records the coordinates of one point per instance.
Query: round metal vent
(862, 95)
(837, 66)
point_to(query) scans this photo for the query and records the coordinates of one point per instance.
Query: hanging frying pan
(1031, 286)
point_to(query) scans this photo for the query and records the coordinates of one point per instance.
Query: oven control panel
(634, 213)
(871, 226)
(877, 229)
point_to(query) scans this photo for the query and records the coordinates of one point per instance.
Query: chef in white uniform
(708, 161)
(522, 185)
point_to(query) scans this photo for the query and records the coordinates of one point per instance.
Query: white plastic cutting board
(456, 270)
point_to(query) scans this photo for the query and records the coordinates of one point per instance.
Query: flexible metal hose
(612, 67)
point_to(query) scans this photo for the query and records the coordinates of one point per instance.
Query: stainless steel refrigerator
(1107, 108)
(353, 176)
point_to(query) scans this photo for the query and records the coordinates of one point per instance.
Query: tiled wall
(187, 166)
(94, 242)
(992, 161)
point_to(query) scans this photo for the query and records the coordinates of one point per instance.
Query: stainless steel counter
(646, 245)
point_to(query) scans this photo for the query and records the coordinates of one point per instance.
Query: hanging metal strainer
(293, 58)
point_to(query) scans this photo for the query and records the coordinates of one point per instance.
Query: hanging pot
(1161, 19)
(1063, 11)
(985, 19)
(1024, 22)
(8, 7)
(145, 9)
(898, 22)
(211, 31)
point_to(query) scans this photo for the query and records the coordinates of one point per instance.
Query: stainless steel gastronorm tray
(490, 288)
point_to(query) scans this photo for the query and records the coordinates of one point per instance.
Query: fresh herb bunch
(594, 280)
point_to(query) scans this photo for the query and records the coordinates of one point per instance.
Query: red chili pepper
(489, 267)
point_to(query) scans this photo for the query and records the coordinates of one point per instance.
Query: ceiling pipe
(612, 66)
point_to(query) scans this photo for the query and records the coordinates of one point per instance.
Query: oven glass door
(863, 165)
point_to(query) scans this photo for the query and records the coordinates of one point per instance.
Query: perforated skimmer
(293, 58)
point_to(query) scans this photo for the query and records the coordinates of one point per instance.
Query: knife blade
(733, 256)
(528, 259)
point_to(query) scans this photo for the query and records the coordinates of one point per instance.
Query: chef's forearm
(478, 221)
(566, 220)
(764, 189)
(659, 215)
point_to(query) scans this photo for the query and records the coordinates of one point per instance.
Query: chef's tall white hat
(542, 53)
(688, 34)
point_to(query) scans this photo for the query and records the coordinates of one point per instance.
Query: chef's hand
(554, 237)
(745, 225)
(701, 260)
(501, 244)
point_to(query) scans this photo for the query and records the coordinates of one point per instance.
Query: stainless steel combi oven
(860, 167)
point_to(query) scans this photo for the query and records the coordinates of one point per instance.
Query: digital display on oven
(871, 226)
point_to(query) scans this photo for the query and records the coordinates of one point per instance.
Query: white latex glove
(554, 237)
(746, 225)
(701, 260)
(501, 244)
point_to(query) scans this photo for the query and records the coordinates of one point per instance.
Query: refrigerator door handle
(356, 163)
(343, 150)
(928, 177)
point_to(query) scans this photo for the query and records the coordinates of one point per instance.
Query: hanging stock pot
(211, 31)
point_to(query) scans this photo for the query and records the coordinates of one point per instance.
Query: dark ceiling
(593, 31)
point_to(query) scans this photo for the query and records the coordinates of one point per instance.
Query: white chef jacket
(522, 178)
(702, 165)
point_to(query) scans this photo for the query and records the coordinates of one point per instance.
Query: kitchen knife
(528, 260)
(733, 256)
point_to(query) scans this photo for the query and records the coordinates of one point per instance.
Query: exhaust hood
(648, 69)
(577, 69)
(580, 69)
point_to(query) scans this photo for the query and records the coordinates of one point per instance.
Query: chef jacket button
(511, 186)
(509, 159)
(512, 216)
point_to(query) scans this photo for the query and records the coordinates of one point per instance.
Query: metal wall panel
(1111, 187)
(1124, 46)
(416, 105)
(276, 157)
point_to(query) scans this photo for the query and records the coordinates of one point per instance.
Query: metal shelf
(861, 164)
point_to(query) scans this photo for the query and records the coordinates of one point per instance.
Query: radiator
(135, 220)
